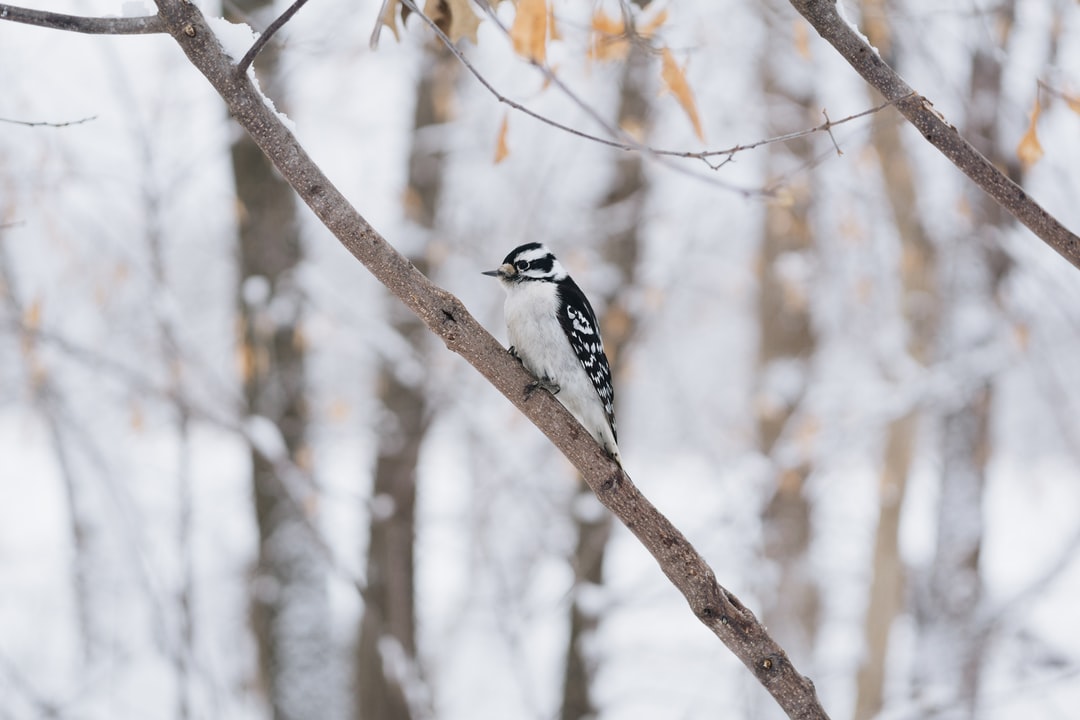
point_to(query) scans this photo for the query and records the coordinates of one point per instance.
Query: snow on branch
(852, 45)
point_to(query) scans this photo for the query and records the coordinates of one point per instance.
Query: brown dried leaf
(1073, 103)
(1029, 150)
(387, 18)
(553, 29)
(31, 319)
(802, 40)
(338, 410)
(649, 29)
(608, 38)
(674, 78)
(454, 17)
(633, 127)
(31, 324)
(1022, 333)
(245, 361)
(529, 31)
(501, 148)
(136, 417)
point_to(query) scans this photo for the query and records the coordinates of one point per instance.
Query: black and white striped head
(531, 262)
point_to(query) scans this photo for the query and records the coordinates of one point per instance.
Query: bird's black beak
(492, 273)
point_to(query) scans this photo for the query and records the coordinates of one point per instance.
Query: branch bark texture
(447, 317)
(920, 112)
(146, 25)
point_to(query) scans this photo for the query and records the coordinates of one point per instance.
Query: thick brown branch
(445, 315)
(147, 25)
(920, 112)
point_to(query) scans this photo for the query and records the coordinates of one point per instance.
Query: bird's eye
(521, 265)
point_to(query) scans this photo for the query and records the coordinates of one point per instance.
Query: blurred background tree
(239, 481)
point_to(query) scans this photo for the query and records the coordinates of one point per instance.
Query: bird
(554, 333)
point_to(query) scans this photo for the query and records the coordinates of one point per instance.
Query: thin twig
(146, 25)
(828, 129)
(628, 144)
(506, 100)
(1073, 100)
(625, 141)
(823, 127)
(249, 56)
(46, 123)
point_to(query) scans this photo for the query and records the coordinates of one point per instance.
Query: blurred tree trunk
(951, 590)
(920, 308)
(389, 612)
(89, 554)
(289, 596)
(621, 213)
(787, 344)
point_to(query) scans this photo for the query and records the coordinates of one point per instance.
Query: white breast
(533, 325)
(535, 333)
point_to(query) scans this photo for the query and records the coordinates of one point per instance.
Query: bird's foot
(546, 383)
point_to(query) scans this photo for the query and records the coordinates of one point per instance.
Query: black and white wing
(579, 323)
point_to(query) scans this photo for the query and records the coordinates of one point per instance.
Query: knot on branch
(611, 482)
(769, 665)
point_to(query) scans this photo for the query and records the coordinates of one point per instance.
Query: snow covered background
(86, 400)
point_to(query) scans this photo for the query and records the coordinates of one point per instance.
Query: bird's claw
(546, 383)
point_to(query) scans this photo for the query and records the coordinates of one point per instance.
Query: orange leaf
(647, 30)
(553, 29)
(608, 39)
(1073, 103)
(1029, 150)
(501, 148)
(802, 40)
(604, 23)
(454, 17)
(138, 420)
(529, 31)
(31, 319)
(675, 79)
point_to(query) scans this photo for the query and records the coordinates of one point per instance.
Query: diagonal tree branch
(853, 47)
(448, 318)
(146, 25)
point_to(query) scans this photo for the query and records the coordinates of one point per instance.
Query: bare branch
(826, 126)
(920, 112)
(618, 139)
(447, 317)
(46, 123)
(626, 142)
(249, 56)
(146, 25)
